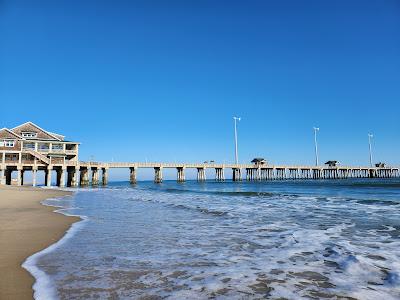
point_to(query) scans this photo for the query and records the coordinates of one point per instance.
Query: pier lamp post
(235, 119)
(370, 136)
(316, 129)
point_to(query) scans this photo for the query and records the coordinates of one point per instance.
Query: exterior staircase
(38, 155)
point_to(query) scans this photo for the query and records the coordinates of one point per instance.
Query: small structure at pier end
(332, 163)
(28, 147)
(258, 161)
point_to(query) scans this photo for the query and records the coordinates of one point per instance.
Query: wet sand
(26, 227)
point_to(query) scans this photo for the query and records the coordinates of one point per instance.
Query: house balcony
(57, 150)
(28, 147)
(28, 161)
(71, 152)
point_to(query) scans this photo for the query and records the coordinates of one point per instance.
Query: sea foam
(44, 288)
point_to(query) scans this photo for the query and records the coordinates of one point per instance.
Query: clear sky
(161, 80)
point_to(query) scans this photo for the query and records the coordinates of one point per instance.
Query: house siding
(5, 135)
(30, 128)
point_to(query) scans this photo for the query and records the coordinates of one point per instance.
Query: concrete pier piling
(84, 177)
(219, 174)
(132, 176)
(95, 176)
(180, 174)
(48, 176)
(104, 176)
(158, 175)
(236, 174)
(60, 180)
(201, 174)
(34, 176)
(72, 176)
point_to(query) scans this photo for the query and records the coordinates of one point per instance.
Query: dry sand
(26, 227)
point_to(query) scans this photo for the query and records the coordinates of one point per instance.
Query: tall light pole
(370, 148)
(316, 129)
(235, 119)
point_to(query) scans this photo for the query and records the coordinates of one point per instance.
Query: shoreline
(27, 227)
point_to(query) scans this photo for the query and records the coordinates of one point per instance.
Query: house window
(57, 147)
(9, 143)
(29, 134)
(43, 147)
(29, 146)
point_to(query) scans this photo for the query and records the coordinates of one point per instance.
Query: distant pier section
(30, 148)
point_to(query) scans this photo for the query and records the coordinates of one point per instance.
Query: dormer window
(29, 134)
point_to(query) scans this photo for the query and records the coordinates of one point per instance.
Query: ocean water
(264, 240)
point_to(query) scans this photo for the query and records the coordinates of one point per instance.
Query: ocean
(298, 239)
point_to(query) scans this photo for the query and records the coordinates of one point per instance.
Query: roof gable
(41, 133)
(8, 134)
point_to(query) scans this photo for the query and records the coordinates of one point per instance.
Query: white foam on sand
(43, 287)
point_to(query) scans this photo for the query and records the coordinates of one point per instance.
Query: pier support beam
(34, 176)
(72, 175)
(48, 176)
(180, 174)
(19, 176)
(158, 175)
(372, 173)
(95, 176)
(236, 174)
(201, 174)
(84, 177)
(22, 176)
(75, 177)
(104, 177)
(61, 177)
(132, 175)
(7, 173)
(3, 176)
(219, 174)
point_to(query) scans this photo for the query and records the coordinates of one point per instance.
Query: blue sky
(161, 80)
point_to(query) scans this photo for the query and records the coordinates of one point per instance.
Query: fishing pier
(96, 173)
(29, 148)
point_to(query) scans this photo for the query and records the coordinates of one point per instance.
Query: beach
(26, 227)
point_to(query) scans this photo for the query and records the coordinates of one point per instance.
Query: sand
(26, 227)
